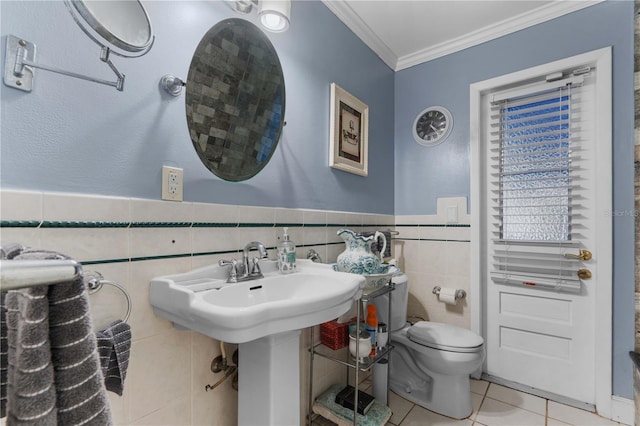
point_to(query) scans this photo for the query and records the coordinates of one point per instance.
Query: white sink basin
(202, 300)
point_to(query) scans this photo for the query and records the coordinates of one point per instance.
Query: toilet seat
(444, 337)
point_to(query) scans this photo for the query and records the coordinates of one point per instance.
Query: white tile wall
(17, 205)
(169, 369)
(85, 244)
(434, 253)
(73, 207)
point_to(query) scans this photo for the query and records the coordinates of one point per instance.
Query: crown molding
(544, 13)
(346, 14)
(499, 29)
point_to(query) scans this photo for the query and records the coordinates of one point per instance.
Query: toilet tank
(399, 300)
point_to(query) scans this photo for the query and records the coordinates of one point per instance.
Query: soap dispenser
(286, 254)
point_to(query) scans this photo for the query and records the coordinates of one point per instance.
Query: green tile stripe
(92, 224)
(102, 262)
(159, 257)
(79, 224)
(435, 225)
(160, 225)
(255, 225)
(19, 224)
(443, 240)
(107, 224)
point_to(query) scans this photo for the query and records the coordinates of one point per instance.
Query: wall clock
(432, 126)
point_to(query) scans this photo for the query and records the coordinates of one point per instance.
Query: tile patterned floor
(493, 405)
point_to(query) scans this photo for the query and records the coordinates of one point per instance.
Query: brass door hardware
(584, 274)
(583, 256)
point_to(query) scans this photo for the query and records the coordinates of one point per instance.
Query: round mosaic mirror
(235, 100)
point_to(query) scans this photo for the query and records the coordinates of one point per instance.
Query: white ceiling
(408, 32)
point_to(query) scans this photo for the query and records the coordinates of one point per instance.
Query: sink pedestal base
(269, 380)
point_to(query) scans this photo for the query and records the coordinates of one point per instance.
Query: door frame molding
(601, 59)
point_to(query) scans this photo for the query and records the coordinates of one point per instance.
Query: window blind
(535, 185)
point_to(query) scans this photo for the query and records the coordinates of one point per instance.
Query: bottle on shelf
(372, 326)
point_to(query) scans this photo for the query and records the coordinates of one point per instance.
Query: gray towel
(4, 357)
(10, 251)
(114, 345)
(54, 370)
(31, 394)
(376, 245)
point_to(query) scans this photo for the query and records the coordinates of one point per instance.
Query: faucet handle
(233, 273)
(255, 268)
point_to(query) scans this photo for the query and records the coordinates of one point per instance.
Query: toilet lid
(444, 336)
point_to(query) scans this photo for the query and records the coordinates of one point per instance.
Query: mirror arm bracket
(19, 62)
(104, 57)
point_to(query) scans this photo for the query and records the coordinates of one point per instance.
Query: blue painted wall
(423, 174)
(74, 136)
(69, 135)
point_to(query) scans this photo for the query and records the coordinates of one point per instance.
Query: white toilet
(431, 362)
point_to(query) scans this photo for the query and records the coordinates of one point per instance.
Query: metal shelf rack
(342, 356)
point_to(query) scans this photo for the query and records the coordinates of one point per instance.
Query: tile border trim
(443, 240)
(92, 224)
(435, 225)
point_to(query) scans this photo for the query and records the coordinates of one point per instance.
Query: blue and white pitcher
(357, 258)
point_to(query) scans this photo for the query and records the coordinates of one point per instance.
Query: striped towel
(54, 370)
(114, 345)
(4, 357)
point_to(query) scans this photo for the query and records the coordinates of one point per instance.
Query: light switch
(452, 214)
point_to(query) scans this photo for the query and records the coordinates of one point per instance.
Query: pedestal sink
(264, 316)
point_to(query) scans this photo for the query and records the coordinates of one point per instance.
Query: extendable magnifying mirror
(123, 24)
(119, 27)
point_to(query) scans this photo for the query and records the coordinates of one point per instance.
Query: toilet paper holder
(460, 294)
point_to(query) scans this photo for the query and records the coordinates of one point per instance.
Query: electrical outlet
(171, 183)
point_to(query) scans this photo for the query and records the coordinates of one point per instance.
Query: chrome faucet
(255, 269)
(314, 256)
(243, 271)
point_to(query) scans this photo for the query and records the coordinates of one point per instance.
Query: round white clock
(432, 126)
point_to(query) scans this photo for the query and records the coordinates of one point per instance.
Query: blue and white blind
(535, 156)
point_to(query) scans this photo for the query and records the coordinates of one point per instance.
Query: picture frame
(349, 132)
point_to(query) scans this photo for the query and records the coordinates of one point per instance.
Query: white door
(543, 195)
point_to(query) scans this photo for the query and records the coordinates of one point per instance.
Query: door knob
(584, 274)
(583, 255)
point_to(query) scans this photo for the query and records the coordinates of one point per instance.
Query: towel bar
(16, 274)
(94, 283)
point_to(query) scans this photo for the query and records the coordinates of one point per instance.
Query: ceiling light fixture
(274, 14)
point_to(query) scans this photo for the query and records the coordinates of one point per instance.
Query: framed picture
(349, 132)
